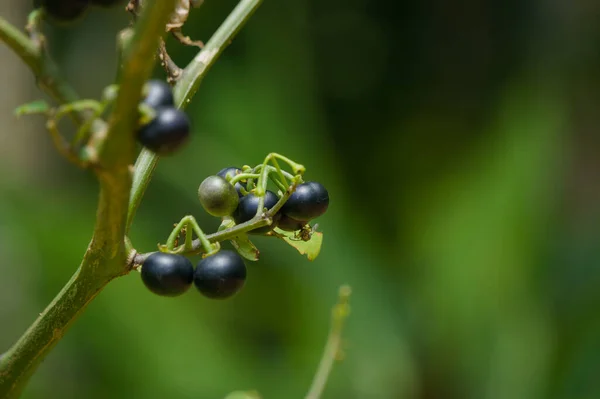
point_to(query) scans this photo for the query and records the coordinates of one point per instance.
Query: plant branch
(37, 59)
(105, 257)
(339, 314)
(186, 87)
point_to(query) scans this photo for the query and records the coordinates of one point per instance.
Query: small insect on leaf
(35, 107)
(311, 247)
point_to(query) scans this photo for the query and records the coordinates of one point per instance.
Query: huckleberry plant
(270, 198)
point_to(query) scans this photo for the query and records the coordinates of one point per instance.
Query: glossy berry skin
(158, 93)
(63, 10)
(231, 172)
(167, 274)
(286, 223)
(307, 202)
(221, 275)
(217, 196)
(167, 132)
(107, 3)
(248, 207)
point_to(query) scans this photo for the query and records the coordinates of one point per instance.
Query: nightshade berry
(157, 93)
(63, 10)
(168, 131)
(167, 274)
(221, 275)
(217, 196)
(249, 206)
(308, 201)
(286, 223)
(231, 172)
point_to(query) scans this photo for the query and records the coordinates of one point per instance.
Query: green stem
(193, 74)
(204, 243)
(20, 362)
(186, 87)
(175, 233)
(105, 258)
(339, 315)
(42, 66)
(189, 236)
(242, 176)
(280, 172)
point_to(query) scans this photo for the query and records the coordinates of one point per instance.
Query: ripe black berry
(167, 132)
(248, 207)
(64, 10)
(286, 223)
(221, 275)
(158, 93)
(231, 172)
(167, 274)
(217, 196)
(308, 201)
(106, 3)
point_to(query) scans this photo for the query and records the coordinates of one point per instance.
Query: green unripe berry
(217, 196)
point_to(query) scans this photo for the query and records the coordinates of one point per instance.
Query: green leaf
(310, 248)
(245, 247)
(241, 243)
(35, 107)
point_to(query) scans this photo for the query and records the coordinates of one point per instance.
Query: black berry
(157, 93)
(286, 223)
(308, 201)
(231, 172)
(63, 10)
(221, 275)
(167, 132)
(249, 206)
(217, 196)
(167, 274)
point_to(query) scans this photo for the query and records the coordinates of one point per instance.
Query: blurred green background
(459, 143)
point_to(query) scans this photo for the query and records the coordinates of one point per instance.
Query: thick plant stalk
(105, 257)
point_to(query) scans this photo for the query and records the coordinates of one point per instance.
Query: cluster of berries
(222, 274)
(170, 127)
(220, 198)
(69, 10)
(217, 276)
